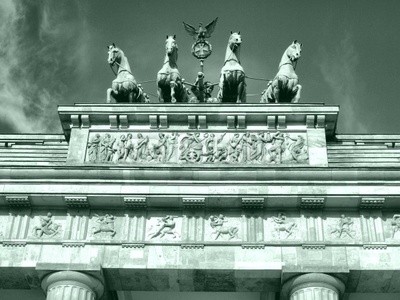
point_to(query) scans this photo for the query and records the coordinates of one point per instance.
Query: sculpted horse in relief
(232, 85)
(169, 81)
(124, 88)
(285, 86)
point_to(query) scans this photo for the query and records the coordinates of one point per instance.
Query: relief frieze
(262, 148)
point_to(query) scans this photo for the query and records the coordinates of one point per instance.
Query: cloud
(41, 51)
(338, 66)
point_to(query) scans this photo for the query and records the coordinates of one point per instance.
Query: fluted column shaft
(313, 286)
(71, 285)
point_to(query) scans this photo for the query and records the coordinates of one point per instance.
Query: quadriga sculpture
(232, 85)
(124, 88)
(169, 81)
(284, 87)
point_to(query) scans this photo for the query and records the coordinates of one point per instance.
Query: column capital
(312, 280)
(73, 278)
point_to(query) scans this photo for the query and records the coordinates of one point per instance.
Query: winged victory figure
(202, 32)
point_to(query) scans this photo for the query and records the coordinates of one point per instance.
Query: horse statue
(232, 85)
(285, 86)
(170, 86)
(124, 88)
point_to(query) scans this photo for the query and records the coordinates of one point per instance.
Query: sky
(55, 53)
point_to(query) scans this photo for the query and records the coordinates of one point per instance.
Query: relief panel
(342, 228)
(223, 227)
(282, 226)
(266, 148)
(165, 227)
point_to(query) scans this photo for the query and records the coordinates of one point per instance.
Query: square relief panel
(282, 226)
(105, 225)
(342, 227)
(164, 226)
(46, 225)
(223, 227)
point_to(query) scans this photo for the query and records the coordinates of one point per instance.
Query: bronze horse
(170, 87)
(285, 86)
(232, 85)
(124, 88)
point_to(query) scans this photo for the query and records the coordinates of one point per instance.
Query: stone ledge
(192, 246)
(14, 243)
(132, 245)
(73, 244)
(253, 246)
(313, 246)
(375, 246)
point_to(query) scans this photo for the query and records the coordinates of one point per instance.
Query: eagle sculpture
(203, 32)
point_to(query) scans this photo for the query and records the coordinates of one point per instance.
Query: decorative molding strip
(135, 202)
(192, 246)
(76, 201)
(132, 245)
(312, 202)
(249, 202)
(375, 246)
(193, 202)
(73, 244)
(253, 246)
(18, 201)
(14, 243)
(313, 246)
(372, 202)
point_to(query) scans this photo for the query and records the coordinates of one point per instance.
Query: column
(71, 285)
(313, 286)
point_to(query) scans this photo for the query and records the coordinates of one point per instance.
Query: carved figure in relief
(395, 225)
(259, 146)
(119, 149)
(141, 147)
(159, 150)
(104, 224)
(282, 225)
(275, 151)
(217, 223)
(172, 142)
(235, 148)
(221, 152)
(128, 147)
(93, 148)
(106, 148)
(344, 225)
(191, 147)
(232, 85)
(166, 225)
(295, 148)
(47, 227)
(284, 87)
(210, 150)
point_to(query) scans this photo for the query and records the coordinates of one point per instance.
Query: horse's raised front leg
(173, 86)
(298, 94)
